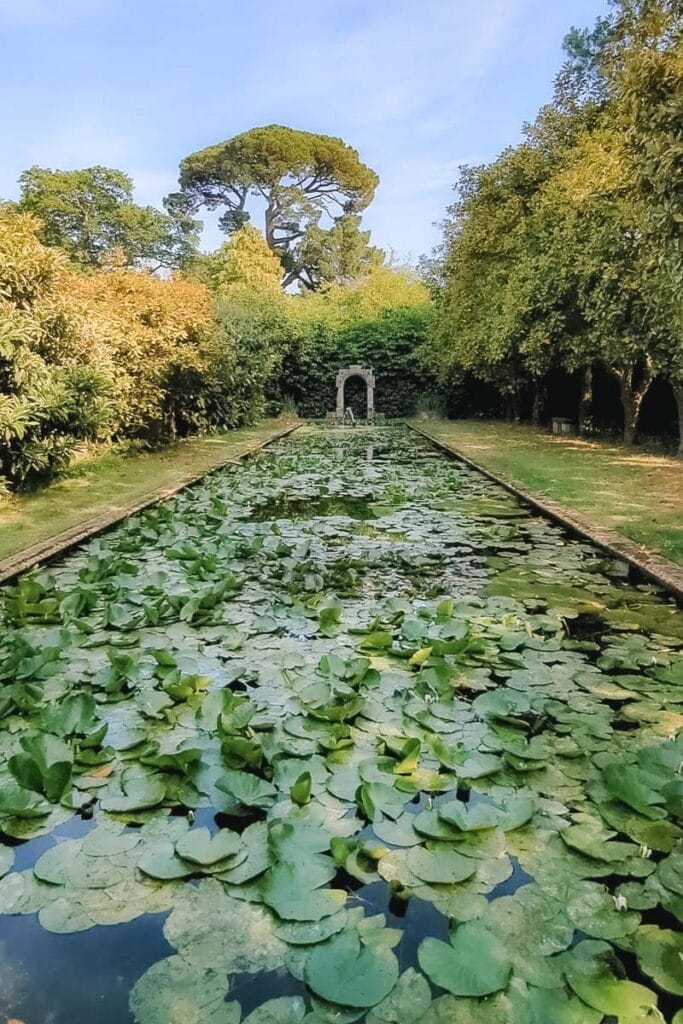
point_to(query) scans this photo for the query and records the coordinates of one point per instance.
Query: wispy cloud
(417, 87)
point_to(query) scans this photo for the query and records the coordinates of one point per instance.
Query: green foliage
(341, 254)
(90, 213)
(381, 322)
(565, 252)
(484, 740)
(300, 175)
(244, 260)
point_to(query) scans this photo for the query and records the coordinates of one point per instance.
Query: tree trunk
(509, 413)
(515, 406)
(678, 395)
(632, 399)
(536, 405)
(631, 409)
(586, 399)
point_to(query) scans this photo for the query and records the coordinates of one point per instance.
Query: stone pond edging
(653, 567)
(60, 543)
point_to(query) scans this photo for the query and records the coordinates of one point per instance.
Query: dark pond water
(487, 710)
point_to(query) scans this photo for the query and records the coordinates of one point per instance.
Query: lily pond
(344, 733)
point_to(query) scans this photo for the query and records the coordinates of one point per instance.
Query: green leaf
(406, 1003)
(344, 970)
(161, 861)
(246, 789)
(660, 956)
(476, 962)
(442, 865)
(138, 792)
(300, 792)
(590, 972)
(291, 889)
(470, 819)
(75, 715)
(45, 766)
(200, 847)
(632, 786)
(175, 992)
(307, 933)
(22, 803)
(285, 1010)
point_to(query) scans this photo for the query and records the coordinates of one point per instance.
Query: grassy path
(636, 494)
(109, 485)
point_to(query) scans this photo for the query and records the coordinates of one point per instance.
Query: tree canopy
(244, 259)
(564, 253)
(299, 177)
(339, 255)
(90, 213)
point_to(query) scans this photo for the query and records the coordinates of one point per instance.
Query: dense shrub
(390, 344)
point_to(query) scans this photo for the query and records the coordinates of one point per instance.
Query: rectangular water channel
(343, 733)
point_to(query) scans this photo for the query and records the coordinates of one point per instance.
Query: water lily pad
(442, 865)
(406, 1003)
(475, 963)
(200, 847)
(161, 861)
(175, 992)
(344, 970)
(591, 973)
(285, 1010)
(660, 956)
(307, 933)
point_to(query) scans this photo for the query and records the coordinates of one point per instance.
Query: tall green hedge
(389, 344)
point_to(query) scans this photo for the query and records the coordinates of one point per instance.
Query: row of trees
(113, 326)
(310, 190)
(566, 251)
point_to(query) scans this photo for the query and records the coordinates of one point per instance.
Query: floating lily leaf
(200, 847)
(246, 789)
(346, 971)
(138, 792)
(591, 973)
(378, 798)
(211, 929)
(633, 787)
(442, 865)
(175, 992)
(161, 861)
(660, 956)
(285, 1010)
(75, 715)
(291, 889)
(475, 963)
(406, 1003)
(6, 860)
(307, 933)
(592, 910)
(478, 817)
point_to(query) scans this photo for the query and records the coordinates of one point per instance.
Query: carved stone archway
(366, 375)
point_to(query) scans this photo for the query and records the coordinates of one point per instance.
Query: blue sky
(417, 86)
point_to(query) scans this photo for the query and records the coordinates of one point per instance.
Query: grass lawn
(111, 482)
(632, 492)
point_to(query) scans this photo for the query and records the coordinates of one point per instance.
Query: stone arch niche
(366, 375)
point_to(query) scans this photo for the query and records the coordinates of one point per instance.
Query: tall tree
(338, 255)
(298, 176)
(91, 212)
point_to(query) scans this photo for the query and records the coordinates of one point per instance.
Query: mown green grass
(637, 494)
(112, 481)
